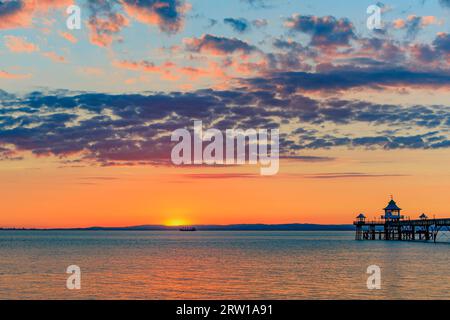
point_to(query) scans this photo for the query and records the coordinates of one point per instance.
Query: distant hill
(276, 227)
(231, 227)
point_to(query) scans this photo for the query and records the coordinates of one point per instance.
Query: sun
(176, 222)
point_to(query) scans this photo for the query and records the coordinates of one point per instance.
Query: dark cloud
(135, 128)
(308, 158)
(438, 51)
(8, 8)
(240, 25)
(324, 31)
(348, 77)
(218, 45)
(445, 3)
(257, 3)
(212, 23)
(388, 51)
(413, 26)
(290, 55)
(167, 14)
(15, 13)
(442, 43)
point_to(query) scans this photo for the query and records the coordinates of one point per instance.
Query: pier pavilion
(392, 225)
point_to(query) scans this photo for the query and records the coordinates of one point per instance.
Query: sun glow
(176, 222)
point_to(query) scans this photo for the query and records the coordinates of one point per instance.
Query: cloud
(423, 53)
(413, 24)
(445, 3)
(171, 71)
(55, 57)
(337, 175)
(105, 23)
(143, 65)
(105, 20)
(129, 129)
(13, 14)
(212, 23)
(68, 36)
(168, 15)
(91, 71)
(103, 31)
(12, 76)
(167, 70)
(290, 55)
(19, 13)
(203, 176)
(20, 45)
(257, 3)
(260, 23)
(349, 175)
(437, 52)
(240, 25)
(347, 77)
(442, 43)
(386, 51)
(218, 45)
(308, 158)
(8, 154)
(324, 31)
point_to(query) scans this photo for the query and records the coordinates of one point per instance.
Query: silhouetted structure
(394, 226)
(188, 228)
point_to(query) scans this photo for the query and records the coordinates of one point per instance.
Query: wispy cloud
(350, 175)
(13, 76)
(20, 45)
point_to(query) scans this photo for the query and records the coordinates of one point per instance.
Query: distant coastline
(231, 227)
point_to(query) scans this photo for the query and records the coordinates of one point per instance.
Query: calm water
(218, 265)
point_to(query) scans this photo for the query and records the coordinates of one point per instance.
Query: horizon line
(179, 226)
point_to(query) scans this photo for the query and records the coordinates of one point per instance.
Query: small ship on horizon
(188, 228)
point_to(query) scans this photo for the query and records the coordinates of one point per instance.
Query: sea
(220, 265)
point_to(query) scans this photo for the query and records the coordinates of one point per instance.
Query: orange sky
(39, 193)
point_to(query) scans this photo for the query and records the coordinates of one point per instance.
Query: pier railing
(421, 222)
(370, 222)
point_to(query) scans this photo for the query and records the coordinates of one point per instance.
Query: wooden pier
(401, 230)
(393, 226)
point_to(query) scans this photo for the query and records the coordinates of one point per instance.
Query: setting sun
(175, 222)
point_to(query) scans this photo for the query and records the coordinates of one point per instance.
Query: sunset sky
(86, 115)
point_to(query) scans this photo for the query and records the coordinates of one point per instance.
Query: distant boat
(188, 229)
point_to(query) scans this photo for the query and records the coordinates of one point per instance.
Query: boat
(188, 228)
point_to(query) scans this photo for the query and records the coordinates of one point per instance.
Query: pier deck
(423, 229)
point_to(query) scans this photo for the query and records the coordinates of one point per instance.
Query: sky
(86, 115)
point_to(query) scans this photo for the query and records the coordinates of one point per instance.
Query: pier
(393, 226)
